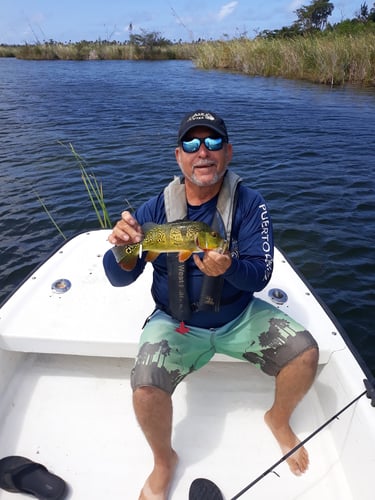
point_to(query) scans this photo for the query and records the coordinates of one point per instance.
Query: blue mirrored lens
(191, 146)
(212, 144)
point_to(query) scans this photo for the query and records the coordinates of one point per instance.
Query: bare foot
(157, 484)
(299, 461)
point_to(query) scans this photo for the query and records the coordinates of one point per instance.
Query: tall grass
(50, 216)
(331, 59)
(94, 189)
(99, 50)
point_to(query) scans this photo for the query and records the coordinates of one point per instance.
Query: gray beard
(192, 178)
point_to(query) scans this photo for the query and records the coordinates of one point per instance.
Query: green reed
(94, 189)
(44, 206)
(99, 50)
(332, 58)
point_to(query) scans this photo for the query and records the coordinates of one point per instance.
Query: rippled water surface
(309, 149)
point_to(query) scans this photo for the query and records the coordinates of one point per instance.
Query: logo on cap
(201, 116)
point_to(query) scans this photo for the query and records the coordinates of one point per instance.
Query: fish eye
(214, 234)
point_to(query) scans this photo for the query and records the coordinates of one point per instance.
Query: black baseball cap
(201, 118)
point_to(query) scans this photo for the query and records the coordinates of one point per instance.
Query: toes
(299, 463)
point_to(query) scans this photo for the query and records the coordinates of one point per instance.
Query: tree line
(313, 18)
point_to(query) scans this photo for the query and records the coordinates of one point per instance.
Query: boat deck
(65, 397)
(83, 429)
(85, 320)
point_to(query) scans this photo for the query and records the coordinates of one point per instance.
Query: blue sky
(37, 20)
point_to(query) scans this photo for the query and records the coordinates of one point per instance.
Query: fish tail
(127, 255)
(128, 263)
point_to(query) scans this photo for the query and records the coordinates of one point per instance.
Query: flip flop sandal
(21, 475)
(204, 489)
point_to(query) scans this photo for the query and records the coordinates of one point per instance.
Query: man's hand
(213, 262)
(126, 230)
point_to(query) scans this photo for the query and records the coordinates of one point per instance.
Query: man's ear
(229, 153)
(177, 154)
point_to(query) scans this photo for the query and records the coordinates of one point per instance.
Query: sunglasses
(211, 143)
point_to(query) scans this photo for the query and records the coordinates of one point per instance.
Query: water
(309, 149)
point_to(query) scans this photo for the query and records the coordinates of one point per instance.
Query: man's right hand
(126, 231)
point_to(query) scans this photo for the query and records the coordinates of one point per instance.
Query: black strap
(212, 286)
(179, 302)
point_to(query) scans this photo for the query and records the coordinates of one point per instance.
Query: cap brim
(195, 125)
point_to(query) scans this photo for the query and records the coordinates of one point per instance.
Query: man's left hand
(213, 263)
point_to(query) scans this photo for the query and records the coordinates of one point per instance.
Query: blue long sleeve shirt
(251, 248)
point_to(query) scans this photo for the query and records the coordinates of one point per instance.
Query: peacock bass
(182, 237)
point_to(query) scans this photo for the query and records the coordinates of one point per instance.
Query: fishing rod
(202, 488)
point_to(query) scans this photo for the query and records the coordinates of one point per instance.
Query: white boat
(67, 342)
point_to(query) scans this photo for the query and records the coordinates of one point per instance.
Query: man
(193, 328)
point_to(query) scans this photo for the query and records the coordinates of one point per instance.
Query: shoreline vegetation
(310, 49)
(333, 60)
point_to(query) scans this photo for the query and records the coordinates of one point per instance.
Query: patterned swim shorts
(261, 334)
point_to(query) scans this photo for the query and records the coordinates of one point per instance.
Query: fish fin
(151, 256)
(128, 263)
(184, 255)
(147, 226)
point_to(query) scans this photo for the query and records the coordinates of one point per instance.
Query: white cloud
(294, 5)
(226, 10)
